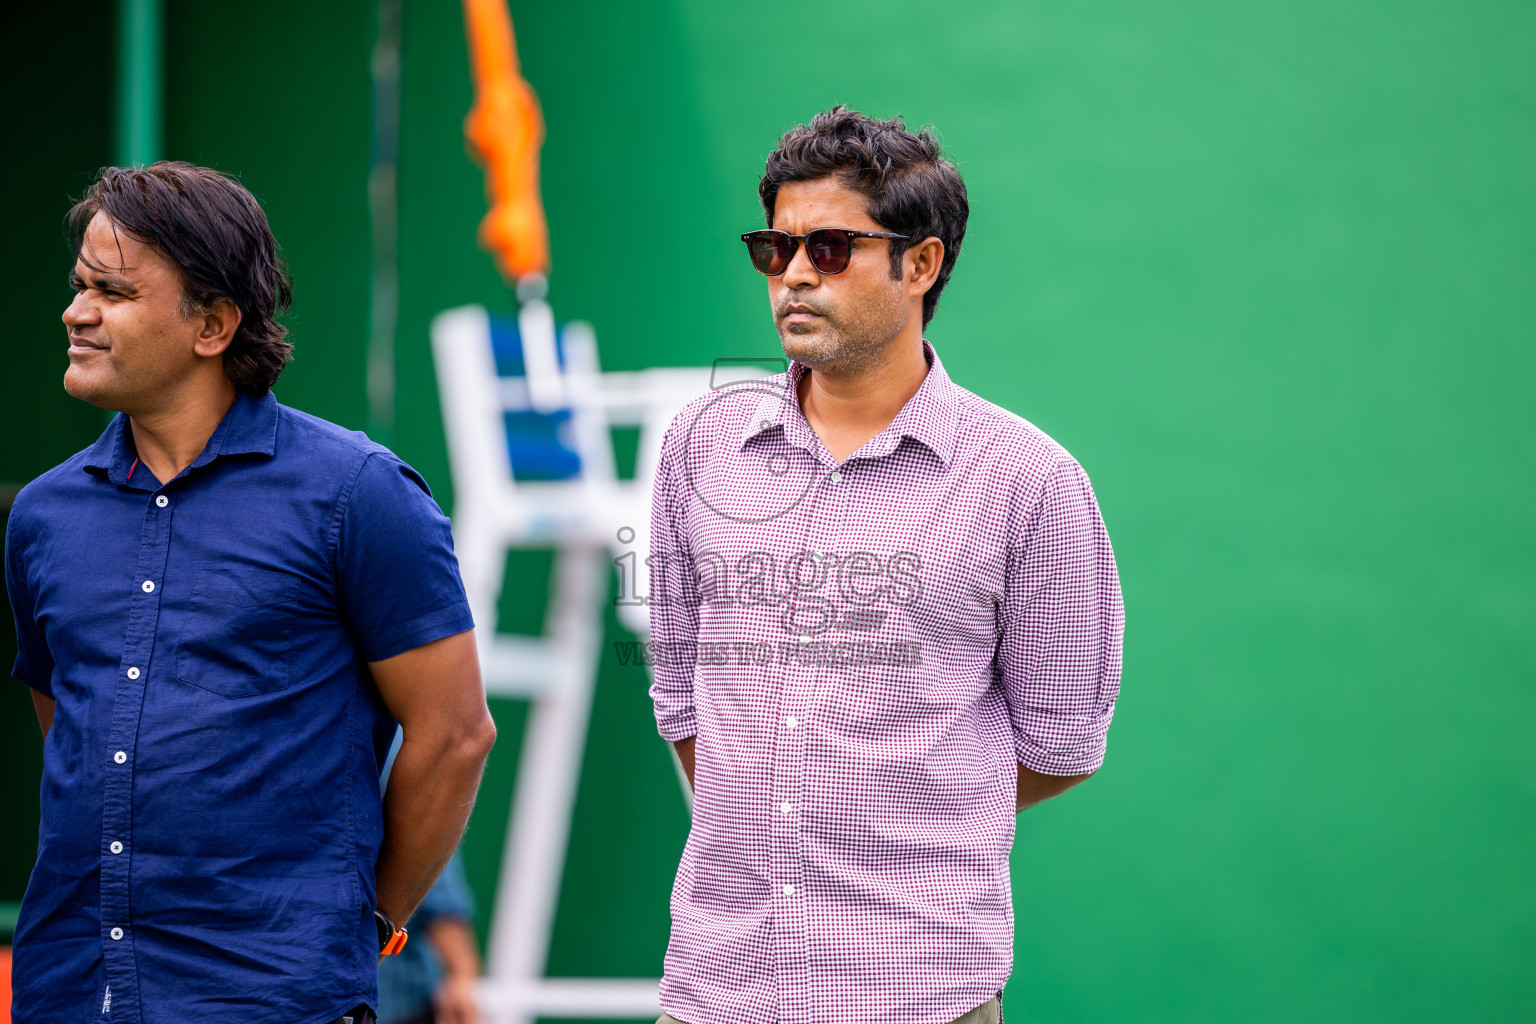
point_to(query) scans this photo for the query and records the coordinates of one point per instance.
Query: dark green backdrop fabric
(1265, 269)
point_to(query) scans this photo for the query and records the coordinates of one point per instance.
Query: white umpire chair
(528, 415)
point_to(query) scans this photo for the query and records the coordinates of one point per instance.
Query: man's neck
(847, 409)
(168, 439)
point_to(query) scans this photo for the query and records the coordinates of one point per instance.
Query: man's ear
(216, 328)
(922, 262)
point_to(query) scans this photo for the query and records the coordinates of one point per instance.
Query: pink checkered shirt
(865, 651)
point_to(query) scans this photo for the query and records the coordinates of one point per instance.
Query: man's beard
(846, 344)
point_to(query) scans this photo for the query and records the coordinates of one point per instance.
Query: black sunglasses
(829, 249)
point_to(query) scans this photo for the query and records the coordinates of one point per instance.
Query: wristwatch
(391, 936)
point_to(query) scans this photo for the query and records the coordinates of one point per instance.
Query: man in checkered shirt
(885, 617)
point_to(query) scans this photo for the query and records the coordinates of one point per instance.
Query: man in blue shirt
(223, 607)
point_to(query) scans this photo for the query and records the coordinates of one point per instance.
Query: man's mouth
(797, 312)
(79, 344)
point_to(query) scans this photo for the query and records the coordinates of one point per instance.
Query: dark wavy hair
(910, 187)
(217, 234)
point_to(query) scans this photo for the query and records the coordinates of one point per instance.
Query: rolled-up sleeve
(674, 610)
(1063, 623)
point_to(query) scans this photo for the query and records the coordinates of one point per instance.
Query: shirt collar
(931, 416)
(248, 428)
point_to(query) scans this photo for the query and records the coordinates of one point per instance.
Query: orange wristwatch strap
(391, 936)
(396, 943)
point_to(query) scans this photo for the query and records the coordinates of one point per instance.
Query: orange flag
(505, 130)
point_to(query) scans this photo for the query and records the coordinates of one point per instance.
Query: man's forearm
(431, 790)
(454, 941)
(1034, 787)
(44, 708)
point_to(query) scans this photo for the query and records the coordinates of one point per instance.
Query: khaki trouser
(986, 1013)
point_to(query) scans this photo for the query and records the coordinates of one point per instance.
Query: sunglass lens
(770, 251)
(829, 250)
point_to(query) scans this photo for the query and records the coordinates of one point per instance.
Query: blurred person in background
(932, 605)
(432, 980)
(223, 608)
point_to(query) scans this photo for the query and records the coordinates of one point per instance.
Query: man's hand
(684, 750)
(1035, 787)
(455, 1003)
(436, 695)
(454, 999)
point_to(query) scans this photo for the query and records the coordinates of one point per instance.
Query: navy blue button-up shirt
(210, 798)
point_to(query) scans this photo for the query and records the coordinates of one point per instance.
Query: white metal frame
(582, 519)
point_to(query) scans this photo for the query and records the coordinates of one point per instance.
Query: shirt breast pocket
(238, 631)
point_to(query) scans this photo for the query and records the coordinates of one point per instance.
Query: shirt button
(789, 890)
(148, 586)
(116, 847)
(791, 722)
(786, 807)
(837, 476)
(805, 638)
(162, 500)
(133, 673)
(119, 757)
(116, 933)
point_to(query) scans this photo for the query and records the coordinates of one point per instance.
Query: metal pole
(140, 72)
(384, 215)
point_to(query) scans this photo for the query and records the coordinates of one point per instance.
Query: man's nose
(801, 272)
(81, 312)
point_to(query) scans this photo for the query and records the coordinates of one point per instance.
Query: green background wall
(1265, 269)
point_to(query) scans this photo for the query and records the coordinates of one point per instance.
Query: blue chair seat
(541, 445)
